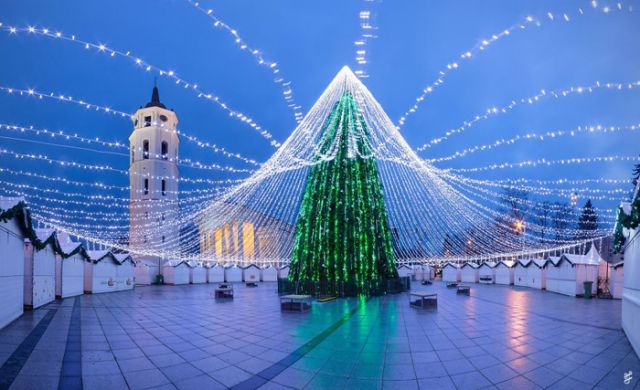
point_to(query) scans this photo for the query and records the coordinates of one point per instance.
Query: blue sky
(311, 41)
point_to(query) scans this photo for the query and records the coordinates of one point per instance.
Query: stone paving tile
(178, 337)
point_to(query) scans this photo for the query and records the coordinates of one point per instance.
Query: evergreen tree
(342, 232)
(588, 221)
(635, 174)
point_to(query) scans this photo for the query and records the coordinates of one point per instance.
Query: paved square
(181, 337)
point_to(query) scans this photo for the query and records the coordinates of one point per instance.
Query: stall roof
(472, 265)
(591, 258)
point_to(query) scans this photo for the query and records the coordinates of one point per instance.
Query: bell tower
(153, 179)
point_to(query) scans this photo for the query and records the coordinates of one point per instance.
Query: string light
(258, 55)
(483, 44)
(194, 87)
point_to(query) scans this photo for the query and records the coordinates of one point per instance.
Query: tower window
(146, 186)
(162, 238)
(165, 149)
(147, 121)
(164, 187)
(133, 155)
(145, 149)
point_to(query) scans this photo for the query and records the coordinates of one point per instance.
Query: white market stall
(531, 273)
(487, 272)
(12, 259)
(232, 273)
(40, 269)
(616, 278)
(70, 269)
(568, 275)
(418, 273)
(451, 272)
(198, 273)
(251, 273)
(404, 271)
(176, 272)
(283, 272)
(125, 272)
(146, 271)
(504, 272)
(269, 274)
(215, 273)
(428, 272)
(100, 272)
(469, 273)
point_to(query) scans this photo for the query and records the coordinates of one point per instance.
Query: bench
(452, 284)
(466, 290)
(424, 299)
(224, 291)
(295, 302)
(252, 284)
(426, 282)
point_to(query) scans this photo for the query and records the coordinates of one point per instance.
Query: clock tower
(153, 180)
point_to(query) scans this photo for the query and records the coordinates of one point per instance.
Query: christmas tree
(342, 232)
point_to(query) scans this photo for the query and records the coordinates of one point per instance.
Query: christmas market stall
(569, 274)
(251, 273)
(198, 273)
(451, 272)
(125, 272)
(487, 272)
(215, 273)
(100, 272)
(616, 278)
(531, 273)
(469, 273)
(146, 271)
(232, 273)
(269, 274)
(70, 263)
(176, 272)
(504, 272)
(404, 271)
(40, 269)
(283, 272)
(12, 223)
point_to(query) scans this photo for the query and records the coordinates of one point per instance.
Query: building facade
(153, 175)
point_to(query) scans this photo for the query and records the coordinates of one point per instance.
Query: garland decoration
(625, 221)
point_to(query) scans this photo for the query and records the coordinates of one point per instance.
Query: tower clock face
(163, 118)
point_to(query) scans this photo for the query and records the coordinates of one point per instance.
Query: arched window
(162, 238)
(165, 150)
(145, 149)
(146, 186)
(164, 187)
(147, 121)
(133, 155)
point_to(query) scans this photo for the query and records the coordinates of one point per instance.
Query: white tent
(568, 275)
(176, 272)
(469, 273)
(487, 272)
(404, 271)
(198, 273)
(11, 263)
(451, 272)
(283, 272)
(100, 272)
(146, 271)
(269, 274)
(504, 272)
(40, 270)
(125, 272)
(531, 273)
(70, 269)
(428, 272)
(232, 273)
(616, 277)
(215, 273)
(251, 273)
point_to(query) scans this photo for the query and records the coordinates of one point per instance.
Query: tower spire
(155, 96)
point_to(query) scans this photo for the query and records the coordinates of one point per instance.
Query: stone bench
(224, 291)
(295, 302)
(466, 290)
(424, 299)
